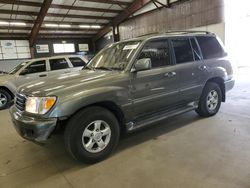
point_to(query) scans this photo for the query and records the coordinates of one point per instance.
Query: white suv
(34, 69)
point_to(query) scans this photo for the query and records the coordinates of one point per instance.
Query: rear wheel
(5, 99)
(92, 134)
(210, 100)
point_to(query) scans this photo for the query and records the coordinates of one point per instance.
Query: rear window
(210, 47)
(57, 64)
(77, 62)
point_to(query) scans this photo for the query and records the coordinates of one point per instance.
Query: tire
(5, 99)
(81, 132)
(209, 104)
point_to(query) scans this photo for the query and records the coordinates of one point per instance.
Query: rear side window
(36, 67)
(57, 64)
(158, 52)
(183, 51)
(210, 47)
(77, 62)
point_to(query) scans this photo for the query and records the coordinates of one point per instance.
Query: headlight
(39, 105)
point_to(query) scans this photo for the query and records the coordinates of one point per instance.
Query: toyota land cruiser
(126, 86)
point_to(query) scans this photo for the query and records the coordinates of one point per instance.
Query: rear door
(190, 68)
(77, 63)
(58, 66)
(155, 89)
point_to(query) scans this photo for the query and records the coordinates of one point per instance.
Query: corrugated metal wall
(186, 15)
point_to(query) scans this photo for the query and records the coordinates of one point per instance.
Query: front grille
(20, 101)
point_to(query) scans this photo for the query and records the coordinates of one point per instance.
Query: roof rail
(177, 32)
(188, 31)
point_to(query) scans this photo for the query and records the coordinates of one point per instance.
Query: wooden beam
(136, 5)
(59, 6)
(47, 35)
(79, 16)
(48, 22)
(50, 29)
(31, 13)
(39, 20)
(114, 2)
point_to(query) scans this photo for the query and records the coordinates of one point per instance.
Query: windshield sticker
(131, 47)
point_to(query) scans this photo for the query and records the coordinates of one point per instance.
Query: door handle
(67, 72)
(202, 67)
(170, 74)
(42, 75)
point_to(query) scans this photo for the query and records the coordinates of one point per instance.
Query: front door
(155, 89)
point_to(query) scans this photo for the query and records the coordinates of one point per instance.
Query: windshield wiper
(3, 72)
(103, 68)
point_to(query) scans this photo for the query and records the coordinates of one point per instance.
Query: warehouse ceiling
(34, 19)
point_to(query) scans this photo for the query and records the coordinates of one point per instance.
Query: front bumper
(32, 128)
(229, 84)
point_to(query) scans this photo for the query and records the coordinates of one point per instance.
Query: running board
(132, 126)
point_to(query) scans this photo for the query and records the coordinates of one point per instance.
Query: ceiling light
(95, 26)
(4, 23)
(51, 25)
(84, 26)
(90, 26)
(17, 23)
(64, 25)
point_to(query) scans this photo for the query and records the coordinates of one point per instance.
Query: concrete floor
(185, 151)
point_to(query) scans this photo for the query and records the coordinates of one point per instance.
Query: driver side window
(36, 67)
(158, 52)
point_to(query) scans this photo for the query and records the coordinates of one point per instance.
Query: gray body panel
(138, 95)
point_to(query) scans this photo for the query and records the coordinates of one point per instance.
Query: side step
(132, 126)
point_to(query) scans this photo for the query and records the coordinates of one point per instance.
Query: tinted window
(158, 52)
(196, 51)
(210, 47)
(56, 64)
(77, 62)
(183, 51)
(36, 67)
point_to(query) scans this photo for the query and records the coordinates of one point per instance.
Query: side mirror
(23, 72)
(142, 64)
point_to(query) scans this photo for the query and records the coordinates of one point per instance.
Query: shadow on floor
(65, 162)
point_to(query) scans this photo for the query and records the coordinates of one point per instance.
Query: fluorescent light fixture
(64, 25)
(17, 23)
(95, 26)
(4, 23)
(90, 26)
(51, 25)
(84, 26)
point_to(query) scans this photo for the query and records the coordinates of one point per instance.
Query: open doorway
(237, 39)
(237, 33)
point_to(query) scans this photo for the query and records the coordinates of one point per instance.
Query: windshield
(18, 67)
(115, 57)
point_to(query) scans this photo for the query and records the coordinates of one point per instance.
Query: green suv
(126, 86)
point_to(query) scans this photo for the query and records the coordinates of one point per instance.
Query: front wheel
(92, 134)
(210, 100)
(5, 99)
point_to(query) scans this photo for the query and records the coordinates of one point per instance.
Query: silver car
(34, 69)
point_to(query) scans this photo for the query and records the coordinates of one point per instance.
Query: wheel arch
(7, 90)
(112, 107)
(220, 82)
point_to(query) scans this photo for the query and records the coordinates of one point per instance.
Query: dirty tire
(210, 100)
(84, 123)
(5, 99)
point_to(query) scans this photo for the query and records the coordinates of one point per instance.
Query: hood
(59, 84)
(6, 77)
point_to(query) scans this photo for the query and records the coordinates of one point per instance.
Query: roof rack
(178, 32)
(188, 31)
